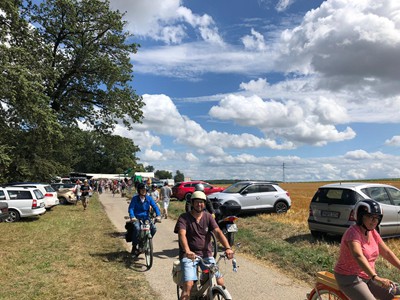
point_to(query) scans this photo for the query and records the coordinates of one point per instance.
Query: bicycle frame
(209, 287)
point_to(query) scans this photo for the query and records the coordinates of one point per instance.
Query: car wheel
(63, 201)
(188, 196)
(280, 207)
(14, 216)
(317, 234)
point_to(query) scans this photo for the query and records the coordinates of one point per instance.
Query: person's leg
(84, 202)
(354, 287)
(218, 275)
(378, 291)
(189, 275)
(135, 237)
(153, 229)
(166, 204)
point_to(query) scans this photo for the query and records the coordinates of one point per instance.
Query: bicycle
(206, 287)
(145, 244)
(326, 288)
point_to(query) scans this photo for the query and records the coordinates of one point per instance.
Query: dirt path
(253, 280)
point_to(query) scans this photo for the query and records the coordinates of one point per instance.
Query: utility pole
(283, 171)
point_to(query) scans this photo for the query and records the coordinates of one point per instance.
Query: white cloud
(255, 41)
(283, 5)
(164, 20)
(394, 141)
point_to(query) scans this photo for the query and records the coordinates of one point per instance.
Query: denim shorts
(189, 268)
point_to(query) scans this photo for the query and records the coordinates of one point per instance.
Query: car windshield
(235, 188)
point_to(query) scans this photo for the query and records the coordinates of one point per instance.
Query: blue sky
(293, 90)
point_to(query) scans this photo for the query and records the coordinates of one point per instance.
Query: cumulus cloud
(394, 141)
(255, 41)
(166, 20)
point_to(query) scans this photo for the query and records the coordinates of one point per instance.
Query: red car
(183, 190)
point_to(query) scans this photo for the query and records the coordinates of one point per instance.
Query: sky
(289, 90)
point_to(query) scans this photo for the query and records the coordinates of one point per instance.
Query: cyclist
(192, 228)
(139, 208)
(209, 206)
(360, 247)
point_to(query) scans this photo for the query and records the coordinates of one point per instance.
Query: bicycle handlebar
(221, 256)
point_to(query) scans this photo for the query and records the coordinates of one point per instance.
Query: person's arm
(155, 207)
(185, 245)
(210, 207)
(221, 237)
(356, 251)
(131, 209)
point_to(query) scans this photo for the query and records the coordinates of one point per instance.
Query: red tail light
(34, 203)
(48, 195)
(351, 217)
(310, 214)
(231, 219)
(287, 193)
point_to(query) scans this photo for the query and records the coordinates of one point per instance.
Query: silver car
(254, 196)
(332, 207)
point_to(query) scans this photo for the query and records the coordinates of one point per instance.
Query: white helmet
(198, 195)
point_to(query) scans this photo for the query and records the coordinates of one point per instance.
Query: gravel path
(254, 280)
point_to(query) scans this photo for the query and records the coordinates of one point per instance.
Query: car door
(391, 212)
(250, 197)
(267, 196)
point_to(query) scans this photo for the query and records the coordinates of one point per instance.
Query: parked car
(50, 195)
(253, 197)
(66, 195)
(3, 211)
(60, 185)
(332, 207)
(184, 190)
(22, 202)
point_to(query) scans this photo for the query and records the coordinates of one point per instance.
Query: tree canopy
(64, 64)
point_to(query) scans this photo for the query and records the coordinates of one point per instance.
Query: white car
(50, 195)
(253, 197)
(22, 202)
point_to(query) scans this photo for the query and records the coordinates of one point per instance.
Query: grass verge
(68, 253)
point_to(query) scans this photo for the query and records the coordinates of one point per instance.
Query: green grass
(68, 253)
(290, 247)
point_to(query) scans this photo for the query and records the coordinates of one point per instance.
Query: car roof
(352, 185)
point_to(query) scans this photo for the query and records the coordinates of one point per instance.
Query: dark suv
(184, 190)
(332, 207)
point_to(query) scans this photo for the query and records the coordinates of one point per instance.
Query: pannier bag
(177, 272)
(129, 230)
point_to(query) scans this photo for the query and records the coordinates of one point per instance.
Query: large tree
(62, 63)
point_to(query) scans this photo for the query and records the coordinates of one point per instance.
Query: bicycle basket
(177, 272)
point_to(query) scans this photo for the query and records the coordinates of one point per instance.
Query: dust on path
(253, 280)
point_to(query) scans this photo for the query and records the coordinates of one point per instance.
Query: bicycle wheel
(148, 253)
(326, 294)
(218, 295)
(214, 244)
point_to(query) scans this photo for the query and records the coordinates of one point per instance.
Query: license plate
(330, 214)
(231, 228)
(145, 227)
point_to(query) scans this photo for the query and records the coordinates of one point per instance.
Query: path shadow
(137, 264)
(330, 239)
(167, 253)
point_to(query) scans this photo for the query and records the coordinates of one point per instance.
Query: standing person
(86, 190)
(360, 247)
(139, 208)
(78, 192)
(193, 229)
(154, 193)
(166, 194)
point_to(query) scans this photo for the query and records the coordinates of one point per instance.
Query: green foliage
(163, 174)
(179, 176)
(72, 68)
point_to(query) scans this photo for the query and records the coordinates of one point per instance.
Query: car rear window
(49, 189)
(335, 196)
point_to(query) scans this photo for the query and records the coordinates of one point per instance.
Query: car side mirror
(244, 192)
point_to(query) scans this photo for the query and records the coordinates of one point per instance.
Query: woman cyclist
(360, 247)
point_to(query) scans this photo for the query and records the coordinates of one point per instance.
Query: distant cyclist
(209, 207)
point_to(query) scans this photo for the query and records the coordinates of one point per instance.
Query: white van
(22, 202)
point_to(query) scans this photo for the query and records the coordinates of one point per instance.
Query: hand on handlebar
(229, 253)
(158, 219)
(133, 220)
(191, 255)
